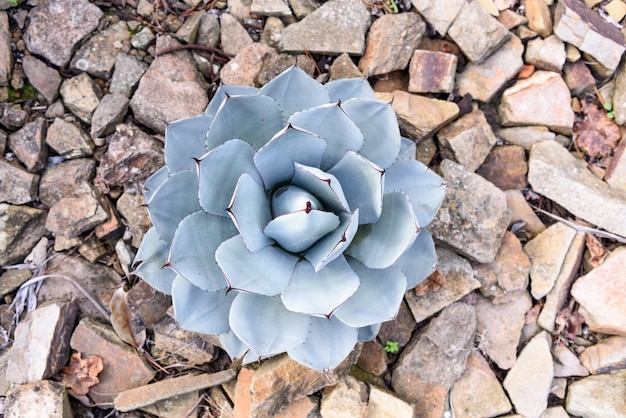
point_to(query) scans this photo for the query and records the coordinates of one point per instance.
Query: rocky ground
(519, 106)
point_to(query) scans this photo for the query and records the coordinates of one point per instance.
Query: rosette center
(288, 199)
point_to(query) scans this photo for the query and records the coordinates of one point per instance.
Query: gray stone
(97, 56)
(132, 208)
(476, 32)
(143, 39)
(438, 13)
(582, 27)
(602, 396)
(272, 32)
(78, 212)
(343, 67)
(170, 90)
(40, 399)
(173, 344)
(525, 136)
(382, 56)
(209, 30)
(336, 27)
(45, 79)
(41, 344)
(69, 140)
(10, 281)
(432, 72)
(244, 69)
(607, 355)
(81, 96)
(566, 363)
(13, 117)
(188, 32)
(473, 217)
(556, 174)
(270, 8)
(546, 54)
(63, 179)
(29, 146)
(17, 186)
(346, 399)
(234, 36)
(301, 8)
(56, 27)
(21, 228)
(127, 73)
(274, 63)
(529, 380)
(240, 9)
(6, 56)
(109, 113)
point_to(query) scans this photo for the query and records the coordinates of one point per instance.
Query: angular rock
(336, 27)
(538, 15)
(17, 186)
(419, 116)
(555, 412)
(244, 69)
(477, 393)
(170, 90)
(270, 8)
(174, 345)
(510, 19)
(599, 396)
(467, 140)
(400, 329)
(506, 167)
(28, 144)
(546, 54)
(459, 282)
(373, 358)
(142, 39)
(127, 73)
(522, 212)
(11, 280)
(525, 136)
(302, 8)
(132, 208)
(123, 368)
(541, 99)
(179, 405)
(97, 56)
(56, 27)
(382, 56)
(13, 117)
(343, 67)
(529, 380)
(63, 179)
(45, 79)
(109, 113)
(566, 363)
(41, 344)
(346, 399)
(579, 78)
(476, 32)
(112, 227)
(76, 213)
(6, 56)
(21, 228)
(616, 171)
(40, 399)
(209, 30)
(473, 217)
(439, 14)
(272, 32)
(432, 72)
(556, 174)
(69, 140)
(383, 404)
(582, 27)
(189, 30)
(234, 36)
(607, 355)
(81, 95)
(601, 294)
(619, 95)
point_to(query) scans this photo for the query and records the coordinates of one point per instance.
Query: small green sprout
(610, 112)
(391, 347)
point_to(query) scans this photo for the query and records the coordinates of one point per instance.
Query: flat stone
(607, 355)
(41, 343)
(382, 56)
(525, 136)
(459, 282)
(578, 77)
(178, 405)
(400, 329)
(111, 228)
(174, 345)
(538, 15)
(582, 27)
(601, 294)
(510, 19)
(529, 380)
(21, 228)
(6, 56)
(336, 27)
(45, 79)
(170, 90)
(346, 399)
(244, 69)
(302, 8)
(439, 14)
(124, 368)
(209, 30)
(616, 171)
(97, 56)
(109, 113)
(274, 63)
(506, 167)
(234, 36)
(555, 412)
(28, 144)
(477, 393)
(81, 96)
(143, 39)
(419, 116)
(270, 8)
(476, 32)
(76, 213)
(546, 54)
(272, 32)
(619, 95)
(11, 280)
(499, 327)
(39, 399)
(343, 67)
(383, 404)
(473, 217)
(63, 179)
(566, 363)
(126, 74)
(598, 396)
(556, 174)
(616, 9)
(69, 140)
(189, 30)
(56, 27)
(132, 208)
(541, 99)
(17, 186)
(432, 72)
(13, 117)
(522, 212)
(467, 140)
(373, 358)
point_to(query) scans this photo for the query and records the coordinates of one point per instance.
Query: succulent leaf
(333, 244)
(186, 141)
(297, 231)
(324, 186)
(349, 88)
(368, 333)
(226, 91)
(153, 255)
(154, 182)
(201, 311)
(418, 262)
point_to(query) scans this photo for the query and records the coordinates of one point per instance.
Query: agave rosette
(284, 221)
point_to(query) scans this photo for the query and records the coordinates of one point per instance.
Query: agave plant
(284, 220)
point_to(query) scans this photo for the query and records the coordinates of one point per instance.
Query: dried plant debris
(596, 135)
(81, 373)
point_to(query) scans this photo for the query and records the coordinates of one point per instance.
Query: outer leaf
(377, 299)
(419, 261)
(185, 141)
(328, 343)
(193, 249)
(333, 125)
(153, 253)
(379, 245)
(348, 88)
(155, 181)
(295, 90)
(297, 231)
(263, 323)
(219, 171)
(233, 345)
(226, 91)
(275, 160)
(250, 212)
(424, 188)
(176, 198)
(253, 119)
(379, 125)
(368, 333)
(408, 149)
(322, 292)
(332, 245)
(362, 183)
(201, 311)
(324, 186)
(265, 272)
(150, 245)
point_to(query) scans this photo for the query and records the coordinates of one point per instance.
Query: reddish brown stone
(506, 167)
(432, 72)
(146, 306)
(111, 228)
(578, 77)
(399, 329)
(373, 358)
(395, 80)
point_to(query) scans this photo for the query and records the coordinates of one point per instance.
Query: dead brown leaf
(120, 320)
(596, 135)
(432, 283)
(597, 252)
(81, 374)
